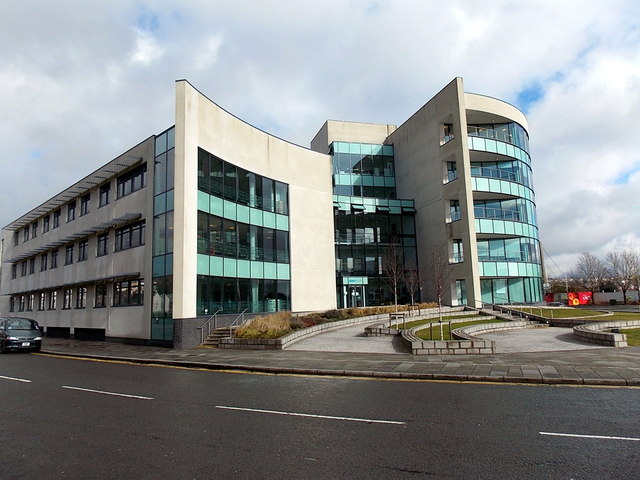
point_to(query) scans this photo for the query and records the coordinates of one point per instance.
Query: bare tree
(591, 271)
(439, 266)
(393, 268)
(624, 267)
(412, 280)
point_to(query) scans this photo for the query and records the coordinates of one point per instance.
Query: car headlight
(38, 338)
(13, 338)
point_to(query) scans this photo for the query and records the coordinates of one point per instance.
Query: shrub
(271, 326)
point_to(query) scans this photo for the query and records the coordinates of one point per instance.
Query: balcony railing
(497, 213)
(490, 133)
(495, 173)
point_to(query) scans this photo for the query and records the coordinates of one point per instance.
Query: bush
(271, 326)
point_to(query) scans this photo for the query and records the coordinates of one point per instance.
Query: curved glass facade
(509, 250)
(243, 239)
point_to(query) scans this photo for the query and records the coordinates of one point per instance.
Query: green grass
(578, 313)
(422, 321)
(425, 334)
(633, 336)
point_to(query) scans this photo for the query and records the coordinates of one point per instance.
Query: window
(71, 211)
(446, 133)
(12, 304)
(104, 195)
(454, 210)
(34, 229)
(101, 295)
(103, 244)
(83, 247)
(68, 296)
(68, 255)
(23, 269)
(54, 259)
(132, 181)
(457, 253)
(22, 303)
(129, 292)
(81, 297)
(130, 236)
(16, 238)
(14, 270)
(84, 204)
(42, 300)
(43, 262)
(56, 219)
(30, 301)
(32, 265)
(53, 297)
(452, 172)
(25, 234)
(45, 224)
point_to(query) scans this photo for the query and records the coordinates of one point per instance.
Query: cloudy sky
(83, 81)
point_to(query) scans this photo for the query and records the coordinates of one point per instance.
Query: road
(74, 419)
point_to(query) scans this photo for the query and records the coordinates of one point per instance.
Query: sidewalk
(596, 366)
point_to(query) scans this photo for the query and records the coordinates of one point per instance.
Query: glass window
(243, 187)
(84, 204)
(132, 181)
(102, 244)
(81, 297)
(56, 219)
(230, 187)
(14, 270)
(128, 292)
(25, 234)
(267, 194)
(32, 265)
(45, 224)
(203, 172)
(71, 211)
(281, 195)
(105, 190)
(54, 259)
(53, 299)
(216, 174)
(68, 255)
(34, 229)
(130, 236)
(43, 262)
(67, 298)
(101, 296)
(42, 301)
(282, 246)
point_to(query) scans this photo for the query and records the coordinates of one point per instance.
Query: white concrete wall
(202, 123)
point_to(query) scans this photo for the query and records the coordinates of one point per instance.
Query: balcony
(498, 213)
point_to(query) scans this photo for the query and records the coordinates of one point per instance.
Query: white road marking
(601, 437)
(107, 393)
(310, 415)
(15, 379)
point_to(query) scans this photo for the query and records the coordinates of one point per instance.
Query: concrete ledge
(472, 331)
(597, 333)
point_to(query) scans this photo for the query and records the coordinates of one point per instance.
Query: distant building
(216, 215)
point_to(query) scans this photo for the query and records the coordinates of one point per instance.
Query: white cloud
(85, 81)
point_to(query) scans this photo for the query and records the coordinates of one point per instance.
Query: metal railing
(239, 320)
(206, 326)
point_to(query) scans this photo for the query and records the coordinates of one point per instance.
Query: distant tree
(412, 280)
(624, 267)
(591, 271)
(439, 269)
(393, 269)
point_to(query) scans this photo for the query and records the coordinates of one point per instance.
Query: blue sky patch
(529, 96)
(626, 175)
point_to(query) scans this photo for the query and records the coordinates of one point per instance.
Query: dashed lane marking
(310, 415)
(15, 379)
(599, 437)
(139, 397)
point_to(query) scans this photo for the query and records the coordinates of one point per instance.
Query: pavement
(569, 363)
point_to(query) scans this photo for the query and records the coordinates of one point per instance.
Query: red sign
(579, 298)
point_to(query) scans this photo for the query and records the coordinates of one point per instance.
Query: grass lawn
(633, 336)
(446, 334)
(579, 312)
(422, 321)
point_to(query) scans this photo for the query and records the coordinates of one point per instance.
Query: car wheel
(36, 350)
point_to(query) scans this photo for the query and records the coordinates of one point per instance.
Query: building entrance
(353, 296)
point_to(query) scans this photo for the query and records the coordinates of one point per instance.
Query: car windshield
(20, 324)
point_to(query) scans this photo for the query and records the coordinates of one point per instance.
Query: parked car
(19, 334)
(556, 304)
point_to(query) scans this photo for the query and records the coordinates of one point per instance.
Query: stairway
(213, 340)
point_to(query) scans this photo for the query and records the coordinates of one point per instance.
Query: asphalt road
(75, 419)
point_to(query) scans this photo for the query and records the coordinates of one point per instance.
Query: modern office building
(216, 215)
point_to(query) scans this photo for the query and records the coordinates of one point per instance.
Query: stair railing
(239, 320)
(206, 326)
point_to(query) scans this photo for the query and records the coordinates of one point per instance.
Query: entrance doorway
(353, 296)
